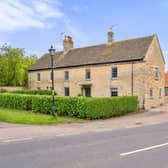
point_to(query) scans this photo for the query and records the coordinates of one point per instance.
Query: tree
(14, 66)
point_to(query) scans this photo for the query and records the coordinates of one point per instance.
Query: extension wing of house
(116, 68)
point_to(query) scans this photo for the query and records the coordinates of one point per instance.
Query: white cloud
(45, 10)
(19, 14)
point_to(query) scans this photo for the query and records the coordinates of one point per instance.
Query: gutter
(81, 65)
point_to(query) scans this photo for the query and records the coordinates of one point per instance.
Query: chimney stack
(110, 36)
(67, 43)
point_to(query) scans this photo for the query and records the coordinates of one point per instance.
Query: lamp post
(52, 53)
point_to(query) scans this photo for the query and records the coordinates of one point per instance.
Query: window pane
(166, 91)
(114, 73)
(66, 91)
(151, 92)
(66, 75)
(38, 76)
(87, 74)
(87, 91)
(114, 91)
(156, 73)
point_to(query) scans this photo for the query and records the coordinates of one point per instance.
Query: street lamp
(52, 53)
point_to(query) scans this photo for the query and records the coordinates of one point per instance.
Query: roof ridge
(113, 42)
(135, 38)
(88, 46)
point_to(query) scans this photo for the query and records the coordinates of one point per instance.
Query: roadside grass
(27, 117)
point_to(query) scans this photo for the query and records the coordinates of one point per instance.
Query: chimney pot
(110, 36)
(67, 43)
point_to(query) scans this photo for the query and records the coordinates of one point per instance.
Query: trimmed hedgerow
(81, 107)
(65, 106)
(33, 92)
(16, 101)
(97, 108)
(41, 104)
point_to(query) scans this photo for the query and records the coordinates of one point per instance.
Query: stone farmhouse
(116, 68)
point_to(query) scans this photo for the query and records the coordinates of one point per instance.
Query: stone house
(116, 68)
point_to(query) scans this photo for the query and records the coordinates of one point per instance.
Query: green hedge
(33, 92)
(96, 108)
(81, 107)
(16, 101)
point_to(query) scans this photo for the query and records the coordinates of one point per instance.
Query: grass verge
(27, 117)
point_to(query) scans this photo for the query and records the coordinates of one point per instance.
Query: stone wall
(11, 88)
(100, 82)
(154, 59)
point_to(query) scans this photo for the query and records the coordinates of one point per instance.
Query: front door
(87, 91)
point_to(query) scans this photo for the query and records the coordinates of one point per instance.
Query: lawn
(27, 117)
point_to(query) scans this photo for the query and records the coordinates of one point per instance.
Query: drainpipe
(132, 79)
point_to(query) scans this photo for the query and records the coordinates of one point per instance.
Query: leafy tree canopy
(14, 65)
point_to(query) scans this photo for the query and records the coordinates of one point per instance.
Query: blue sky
(36, 24)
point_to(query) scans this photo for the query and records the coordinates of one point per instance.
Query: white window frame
(66, 71)
(114, 89)
(87, 70)
(114, 78)
(68, 91)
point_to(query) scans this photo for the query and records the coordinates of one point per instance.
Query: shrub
(16, 101)
(41, 104)
(65, 106)
(81, 107)
(33, 92)
(97, 108)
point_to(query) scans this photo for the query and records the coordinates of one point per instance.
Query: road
(140, 147)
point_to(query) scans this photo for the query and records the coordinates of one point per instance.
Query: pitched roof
(119, 51)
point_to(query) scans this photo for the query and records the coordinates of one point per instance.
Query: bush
(33, 92)
(65, 106)
(16, 101)
(81, 107)
(98, 108)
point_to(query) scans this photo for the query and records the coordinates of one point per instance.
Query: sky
(36, 24)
